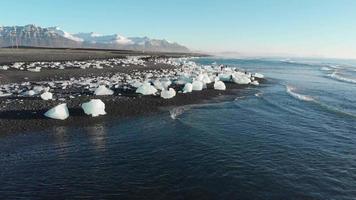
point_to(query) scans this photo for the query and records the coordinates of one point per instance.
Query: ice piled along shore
(184, 75)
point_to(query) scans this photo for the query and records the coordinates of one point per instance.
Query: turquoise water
(291, 138)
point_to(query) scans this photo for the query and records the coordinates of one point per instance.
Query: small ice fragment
(255, 83)
(46, 96)
(30, 93)
(146, 89)
(219, 85)
(102, 90)
(58, 112)
(168, 94)
(94, 107)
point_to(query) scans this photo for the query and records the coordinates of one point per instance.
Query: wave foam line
(291, 91)
(341, 78)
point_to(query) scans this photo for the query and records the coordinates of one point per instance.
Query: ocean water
(291, 138)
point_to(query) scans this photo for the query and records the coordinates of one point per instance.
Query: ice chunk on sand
(258, 75)
(206, 79)
(46, 96)
(225, 77)
(36, 69)
(58, 112)
(29, 93)
(146, 89)
(102, 90)
(219, 85)
(168, 94)
(188, 87)
(241, 78)
(94, 107)
(197, 85)
(158, 85)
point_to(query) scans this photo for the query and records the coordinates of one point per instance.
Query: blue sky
(321, 28)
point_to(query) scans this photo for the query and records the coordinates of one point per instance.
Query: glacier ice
(241, 78)
(94, 107)
(103, 90)
(219, 85)
(58, 112)
(46, 96)
(168, 94)
(146, 89)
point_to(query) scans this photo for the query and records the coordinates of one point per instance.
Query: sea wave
(177, 111)
(337, 76)
(291, 91)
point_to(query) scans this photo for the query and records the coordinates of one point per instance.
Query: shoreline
(21, 113)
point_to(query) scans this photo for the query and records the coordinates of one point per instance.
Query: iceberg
(102, 90)
(58, 112)
(219, 85)
(146, 89)
(94, 107)
(168, 94)
(197, 86)
(46, 96)
(188, 87)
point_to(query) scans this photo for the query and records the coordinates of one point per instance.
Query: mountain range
(35, 36)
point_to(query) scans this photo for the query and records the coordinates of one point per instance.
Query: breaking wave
(337, 76)
(291, 91)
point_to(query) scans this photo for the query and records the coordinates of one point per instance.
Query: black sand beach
(21, 114)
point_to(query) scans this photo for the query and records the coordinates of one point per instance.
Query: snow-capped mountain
(31, 35)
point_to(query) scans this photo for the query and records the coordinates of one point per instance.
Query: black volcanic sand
(22, 114)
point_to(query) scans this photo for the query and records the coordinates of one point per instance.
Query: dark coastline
(23, 114)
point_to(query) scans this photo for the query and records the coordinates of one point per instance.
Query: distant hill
(31, 35)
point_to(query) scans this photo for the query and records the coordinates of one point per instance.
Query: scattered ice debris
(188, 87)
(94, 107)
(4, 94)
(29, 93)
(58, 112)
(36, 69)
(46, 96)
(184, 73)
(168, 94)
(103, 90)
(219, 85)
(4, 67)
(197, 86)
(146, 89)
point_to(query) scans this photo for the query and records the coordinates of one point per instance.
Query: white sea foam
(291, 91)
(336, 76)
